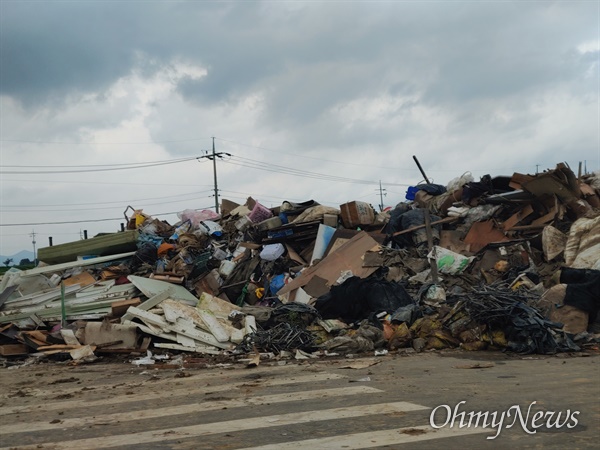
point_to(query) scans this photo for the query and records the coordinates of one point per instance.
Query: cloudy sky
(107, 104)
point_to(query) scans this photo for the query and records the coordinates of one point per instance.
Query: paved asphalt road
(383, 402)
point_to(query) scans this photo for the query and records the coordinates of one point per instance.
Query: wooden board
(120, 307)
(108, 244)
(13, 349)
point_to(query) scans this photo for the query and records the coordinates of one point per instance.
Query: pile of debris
(509, 263)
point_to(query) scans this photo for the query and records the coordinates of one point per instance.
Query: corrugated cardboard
(355, 214)
(348, 257)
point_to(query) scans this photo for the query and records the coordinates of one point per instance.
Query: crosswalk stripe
(106, 419)
(230, 376)
(230, 426)
(375, 438)
(170, 392)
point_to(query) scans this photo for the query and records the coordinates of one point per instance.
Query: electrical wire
(103, 165)
(103, 182)
(108, 203)
(25, 141)
(309, 157)
(88, 220)
(140, 166)
(96, 209)
(405, 169)
(259, 165)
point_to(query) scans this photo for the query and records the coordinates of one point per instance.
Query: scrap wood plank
(418, 227)
(557, 210)
(152, 287)
(518, 179)
(196, 348)
(96, 288)
(181, 326)
(188, 328)
(83, 279)
(54, 310)
(6, 293)
(39, 298)
(83, 351)
(58, 347)
(185, 341)
(13, 349)
(177, 338)
(70, 265)
(155, 331)
(204, 319)
(214, 326)
(69, 337)
(119, 308)
(219, 307)
(148, 304)
(517, 217)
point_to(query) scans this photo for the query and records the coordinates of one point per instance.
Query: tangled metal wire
(527, 331)
(279, 338)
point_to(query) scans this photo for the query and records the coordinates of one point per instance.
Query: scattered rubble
(509, 263)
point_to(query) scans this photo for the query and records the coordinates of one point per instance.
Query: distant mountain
(17, 257)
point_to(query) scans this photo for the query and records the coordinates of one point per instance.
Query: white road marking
(167, 392)
(152, 413)
(375, 438)
(229, 376)
(251, 423)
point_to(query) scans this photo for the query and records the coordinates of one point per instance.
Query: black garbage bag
(407, 314)
(147, 253)
(432, 189)
(402, 219)
(357, 298)
(583, 290)
(476, 189)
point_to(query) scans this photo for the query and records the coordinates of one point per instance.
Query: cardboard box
(120, 307)
(355, 214)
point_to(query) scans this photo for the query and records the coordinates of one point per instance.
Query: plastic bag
(195, 217)
(459, 182)
(448, 261)
(210, 228)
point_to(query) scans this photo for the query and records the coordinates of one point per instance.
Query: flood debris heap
(509, 263)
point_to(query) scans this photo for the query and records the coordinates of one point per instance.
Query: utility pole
(213, 157)
(381, 194)
(33, 242)
(536, 168)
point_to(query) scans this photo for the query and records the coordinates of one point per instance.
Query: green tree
(8, 262)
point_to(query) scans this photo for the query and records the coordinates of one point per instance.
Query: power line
(25, 141)
(101, 182)
(140, 166)
(96, 209)
(89, 220)
(307, 157)
(246, 162)
(59, 223)
(107, 203)
(103, 165)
